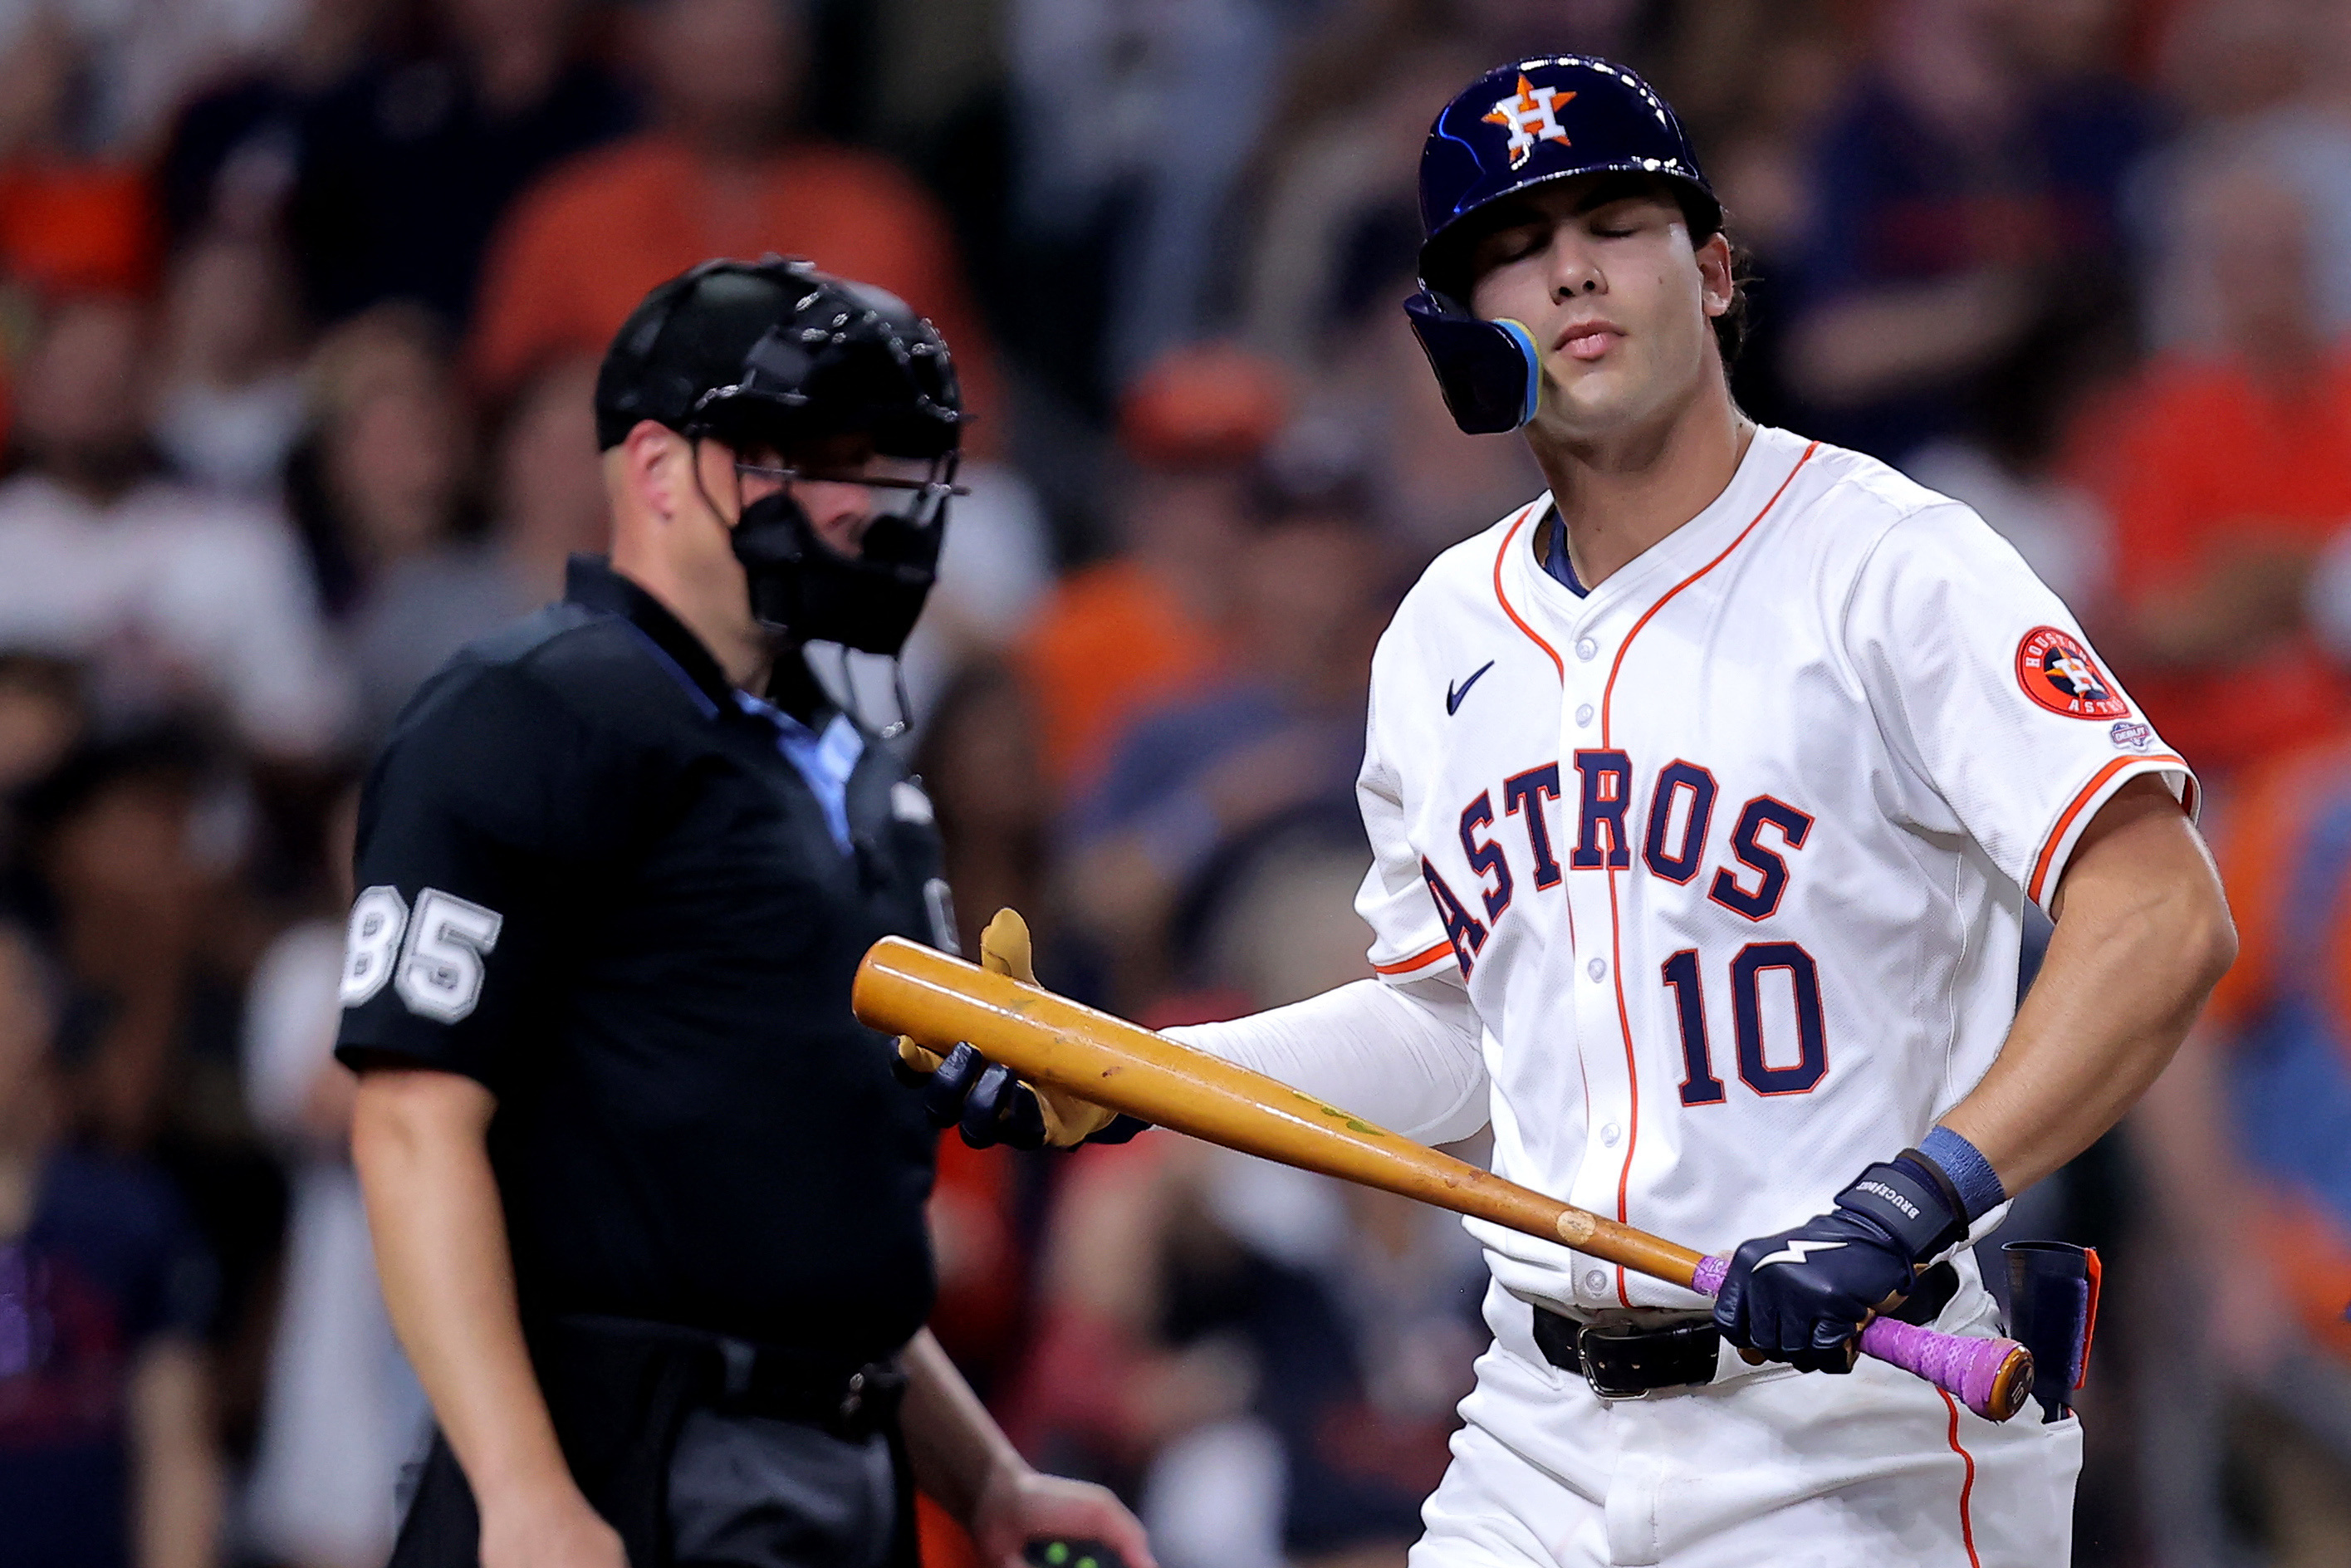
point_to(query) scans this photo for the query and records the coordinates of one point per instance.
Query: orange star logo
(1532, 115)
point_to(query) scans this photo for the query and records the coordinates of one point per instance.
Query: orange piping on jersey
(1967, 1483)
(2032, 888)
(1442, 950)
(1504, 600)
(1615, 930)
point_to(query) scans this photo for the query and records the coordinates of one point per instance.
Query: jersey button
(1587, 649)
(1596, 968)
(1594, 1280)
(1583, 714)
(1609, 1133)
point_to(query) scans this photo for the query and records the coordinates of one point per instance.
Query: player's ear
(1716, 275)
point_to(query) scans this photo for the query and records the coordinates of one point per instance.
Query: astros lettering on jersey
(1732, 851)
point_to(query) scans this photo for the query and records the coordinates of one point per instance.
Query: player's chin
(1595, 398)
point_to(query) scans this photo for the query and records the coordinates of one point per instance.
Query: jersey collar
(589, 581)
(1769, 458)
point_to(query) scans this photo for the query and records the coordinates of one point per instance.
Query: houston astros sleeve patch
(2058, 672)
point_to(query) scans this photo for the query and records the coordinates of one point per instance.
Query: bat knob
(2010, 1386)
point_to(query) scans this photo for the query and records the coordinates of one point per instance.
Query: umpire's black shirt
(593, 882)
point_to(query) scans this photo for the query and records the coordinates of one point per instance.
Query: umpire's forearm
(952, 1444)
(2142, 935)
(448, 1278)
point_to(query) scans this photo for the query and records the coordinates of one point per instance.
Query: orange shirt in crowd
(1113, 640)
(69, 227)
(583, 245)
(2270, 837)
(2203, 462)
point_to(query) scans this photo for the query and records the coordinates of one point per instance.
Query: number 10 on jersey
(1683, 977)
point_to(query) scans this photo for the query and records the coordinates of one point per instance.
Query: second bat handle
(1989, 1376)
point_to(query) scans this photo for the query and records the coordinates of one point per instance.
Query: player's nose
(1574, 271)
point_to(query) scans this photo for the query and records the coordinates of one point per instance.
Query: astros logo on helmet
(1532, 115)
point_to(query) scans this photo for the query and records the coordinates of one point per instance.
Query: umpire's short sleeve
(479, 824)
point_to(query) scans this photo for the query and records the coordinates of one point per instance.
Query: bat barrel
(902, 988)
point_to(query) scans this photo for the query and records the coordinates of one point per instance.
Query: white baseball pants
(1875, 1470)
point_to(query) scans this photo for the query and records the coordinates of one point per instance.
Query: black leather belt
(1625, 1361)
(742, 1377)
(760, 1380)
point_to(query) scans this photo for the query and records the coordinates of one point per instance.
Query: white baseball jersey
(1732, 851)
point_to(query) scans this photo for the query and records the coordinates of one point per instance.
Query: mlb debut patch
(2056, 672)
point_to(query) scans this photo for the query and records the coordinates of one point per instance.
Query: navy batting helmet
(1518, 126)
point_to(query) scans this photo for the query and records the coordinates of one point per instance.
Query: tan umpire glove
(966, 1089)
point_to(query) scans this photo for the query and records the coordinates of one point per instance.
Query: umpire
(648, 1202)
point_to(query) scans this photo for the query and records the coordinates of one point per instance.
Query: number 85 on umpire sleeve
(438, 972)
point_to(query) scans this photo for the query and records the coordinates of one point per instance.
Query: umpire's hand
(983, 1098)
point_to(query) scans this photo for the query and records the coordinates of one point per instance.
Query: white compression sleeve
(1406, 1057)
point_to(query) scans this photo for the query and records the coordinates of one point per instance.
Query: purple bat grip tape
(1961, 1363)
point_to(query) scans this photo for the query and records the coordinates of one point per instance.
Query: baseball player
(1707, 791)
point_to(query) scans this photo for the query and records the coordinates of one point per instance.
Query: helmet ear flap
(1488, 371)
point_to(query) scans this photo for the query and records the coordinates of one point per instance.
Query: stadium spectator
(409, 166)
(1375, 409)
(2248, 78)
(546, 501)
(230, 405)
(135, 64)
(979, 760)
(383, 469)
(2244, 1137)
(1357, 1312)
(1274, 1355)
(2307, 141)
(43, 717)
(130, 858)
(721, 173)
(996, 567)
(1146, 625)
(170, 593)
(106, 1458)
(71, 218)
(1283, 727)
(343, 1411)
(1333, 207)
(1139, 121)
(1774, 74)
(2010, 459)
(236, 148)
(1976, 161)
(2227, 477)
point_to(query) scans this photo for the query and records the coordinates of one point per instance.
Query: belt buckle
(1613, 1396)
(1661, 1358)
(853, 1399)
(1592, 1372)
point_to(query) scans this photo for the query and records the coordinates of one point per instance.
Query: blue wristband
(1960, 1160)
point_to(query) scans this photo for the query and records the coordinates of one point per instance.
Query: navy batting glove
(984, 1100)
(1801, 1296)
(989, 1105)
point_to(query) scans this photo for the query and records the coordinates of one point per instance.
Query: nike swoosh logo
(1796, 1250)
(1454, 694)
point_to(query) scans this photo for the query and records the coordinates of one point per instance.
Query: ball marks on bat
(1574, 1226)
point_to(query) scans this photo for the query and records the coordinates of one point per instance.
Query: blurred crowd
(300, 307)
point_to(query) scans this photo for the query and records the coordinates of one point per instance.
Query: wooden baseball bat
(904, 987)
